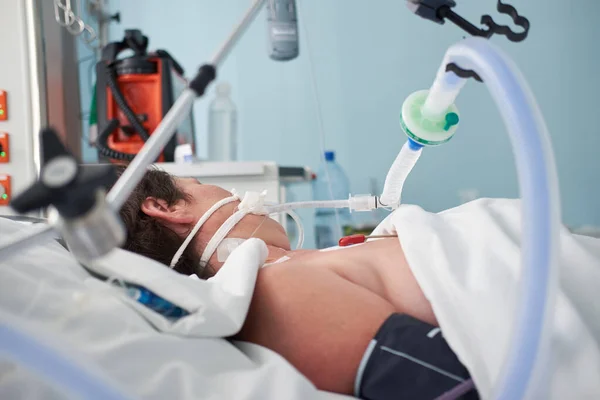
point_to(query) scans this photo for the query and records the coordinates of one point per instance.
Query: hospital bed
(533, 347)
(72, 312)
(82, 313)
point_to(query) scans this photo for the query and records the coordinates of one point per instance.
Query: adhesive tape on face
(226, 247)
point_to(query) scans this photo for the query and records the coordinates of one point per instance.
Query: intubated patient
(353, 321)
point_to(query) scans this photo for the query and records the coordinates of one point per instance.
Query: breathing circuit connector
(363, 202)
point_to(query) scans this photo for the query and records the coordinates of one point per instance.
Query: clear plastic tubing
(308, 204)
(523, 373)
(74, 377)
(300, 226)
(394, 181)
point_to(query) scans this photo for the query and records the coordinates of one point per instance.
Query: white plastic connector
(254, 202)
(442, 94)
(362, 202)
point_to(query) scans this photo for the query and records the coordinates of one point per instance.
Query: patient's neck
(269, 231)
(276, 253)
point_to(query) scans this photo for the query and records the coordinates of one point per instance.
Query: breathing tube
(354, 203)
(427, 121)
(254, 203)
(396, 176)
(102, 143)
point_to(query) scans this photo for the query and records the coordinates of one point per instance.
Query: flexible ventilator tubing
(300, 226)
(523, 373)
(396, 176)
(308, 204)
(253, 203)
(442, 95)
(354, 203)
(297, 221)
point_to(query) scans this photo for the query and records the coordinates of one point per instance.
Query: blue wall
(367, 56)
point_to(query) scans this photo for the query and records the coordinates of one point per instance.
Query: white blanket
(46, 291)
(467, 261)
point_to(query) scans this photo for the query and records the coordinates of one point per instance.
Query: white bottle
(222, 126)
(184, 154)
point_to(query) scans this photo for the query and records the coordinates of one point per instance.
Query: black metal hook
(497, 29)
(463, 73)
(445, 12)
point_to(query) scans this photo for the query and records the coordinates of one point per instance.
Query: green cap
(451, 120)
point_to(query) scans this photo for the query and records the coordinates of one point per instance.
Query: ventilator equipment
(429, 118)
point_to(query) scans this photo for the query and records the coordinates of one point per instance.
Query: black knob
(63, 184)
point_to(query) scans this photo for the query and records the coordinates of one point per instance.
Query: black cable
(102, 142)
(111, 76)
(105, 150)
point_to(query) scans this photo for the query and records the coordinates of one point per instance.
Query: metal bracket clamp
(440, 10)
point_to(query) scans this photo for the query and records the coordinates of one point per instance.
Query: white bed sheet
(467, 261)
(47, 291)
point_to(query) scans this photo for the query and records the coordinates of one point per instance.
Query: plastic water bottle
(222, 126)
(327, 228)
(184, 154)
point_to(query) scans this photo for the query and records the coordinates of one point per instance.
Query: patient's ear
(160, 209)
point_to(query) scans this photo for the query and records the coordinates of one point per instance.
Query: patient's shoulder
(317, 320)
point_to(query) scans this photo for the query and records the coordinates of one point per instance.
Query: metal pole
(223, 52)
(151, 150)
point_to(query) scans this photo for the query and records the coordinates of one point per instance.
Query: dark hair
(148, 236)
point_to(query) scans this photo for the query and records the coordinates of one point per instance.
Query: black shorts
(409, 359)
